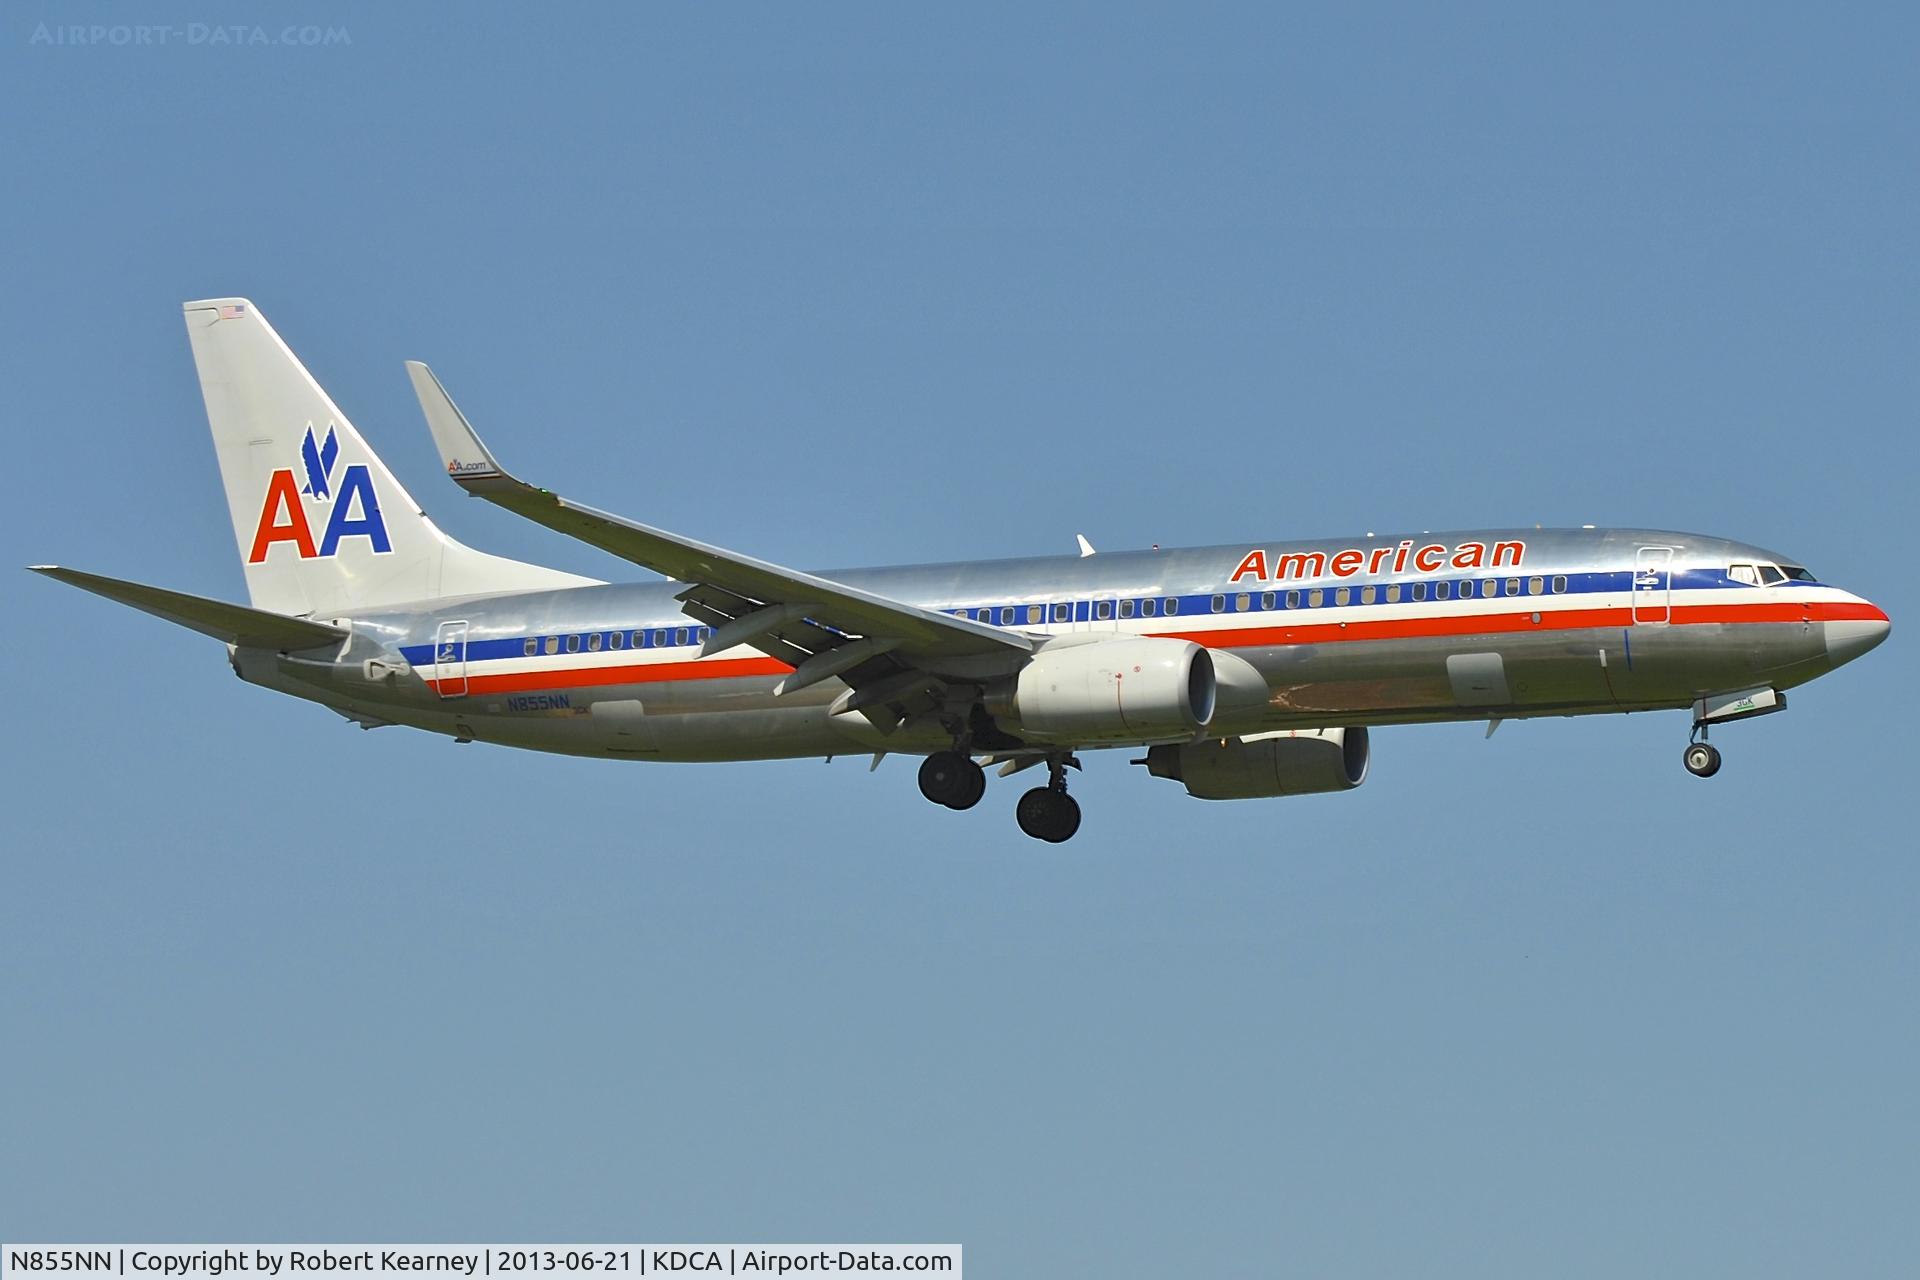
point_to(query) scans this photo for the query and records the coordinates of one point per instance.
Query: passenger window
(680, 635)
(1126, 608)
(660, 639)
(1149, 607)
(1219, 604)
(1266, 599)
(1559, 583)
(1063, 613)
(1744, 573)
(617, 640)
(1535, 586)
(531, 647)
(1343, 595)
(983, 615)
(1393, 594)
(1242, 602)
(1513, 586)
(1293, 599)
(573, 644)
(1366, 595)
(1442, 590)
(593, 643)
(1314, 597)
(1103, 609)
(551, 644)
(1419, 591)
(1173, 605)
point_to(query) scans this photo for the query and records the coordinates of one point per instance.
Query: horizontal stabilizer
(233, 623)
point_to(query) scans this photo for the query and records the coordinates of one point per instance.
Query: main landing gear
(1049, 813)
(1702, 760)
(952, 779)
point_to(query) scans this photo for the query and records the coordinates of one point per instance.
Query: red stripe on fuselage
(630, 673)
(1469, 624)
(1477, 624)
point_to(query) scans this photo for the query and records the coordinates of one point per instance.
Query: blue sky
(842, 285)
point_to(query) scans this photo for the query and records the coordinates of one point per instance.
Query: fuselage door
(450, 659)
(1653, 584)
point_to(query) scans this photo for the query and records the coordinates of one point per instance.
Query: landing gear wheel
(949, 778)
(1047, 814)
(1702, 760)
(975, 779)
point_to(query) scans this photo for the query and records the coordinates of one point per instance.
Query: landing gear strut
(952, 779)
(1702, 760)
(1049, 813)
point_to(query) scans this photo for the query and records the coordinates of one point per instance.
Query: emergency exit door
(1653, 584)
(450, 659)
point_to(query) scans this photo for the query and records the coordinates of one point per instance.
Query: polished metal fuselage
(1580, 621)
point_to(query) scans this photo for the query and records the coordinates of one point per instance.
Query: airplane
(1243, 671)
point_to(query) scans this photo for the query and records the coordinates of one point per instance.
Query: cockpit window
(1798, 572)
(1770, 574)
(1744, 573)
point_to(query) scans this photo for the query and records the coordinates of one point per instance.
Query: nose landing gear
(1702, 760)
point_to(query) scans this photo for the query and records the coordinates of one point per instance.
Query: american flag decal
(233, 313)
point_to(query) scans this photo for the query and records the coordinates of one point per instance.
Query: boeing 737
(1243, 671)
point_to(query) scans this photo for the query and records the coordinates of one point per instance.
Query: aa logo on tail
(283, 512)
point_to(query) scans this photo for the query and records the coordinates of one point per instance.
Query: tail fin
(323, 527)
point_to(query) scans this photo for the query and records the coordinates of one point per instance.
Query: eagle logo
(318, 458)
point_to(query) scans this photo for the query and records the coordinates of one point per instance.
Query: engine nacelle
(1110, 693)
(1289, 763)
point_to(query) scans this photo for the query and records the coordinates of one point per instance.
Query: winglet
(460, 449)
(1086, 548)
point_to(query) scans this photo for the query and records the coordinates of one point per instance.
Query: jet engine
(1110, 693)
(1289, 763)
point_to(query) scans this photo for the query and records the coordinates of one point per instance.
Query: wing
(888, 652)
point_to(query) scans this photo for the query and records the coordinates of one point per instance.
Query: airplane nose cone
(1849, 639)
